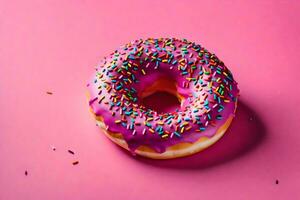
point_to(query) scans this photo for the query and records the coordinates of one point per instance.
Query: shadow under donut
(246, 132)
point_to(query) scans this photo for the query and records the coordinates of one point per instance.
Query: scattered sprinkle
(75, 163)
(71, 152)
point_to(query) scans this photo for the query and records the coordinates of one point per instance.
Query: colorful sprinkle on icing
(209, 91)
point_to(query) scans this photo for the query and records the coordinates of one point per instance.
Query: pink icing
(208, 87)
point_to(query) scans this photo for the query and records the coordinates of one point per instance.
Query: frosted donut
(204, 86)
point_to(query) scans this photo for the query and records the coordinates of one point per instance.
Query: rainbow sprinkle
(210, 83)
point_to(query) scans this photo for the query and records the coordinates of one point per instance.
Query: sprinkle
(149, 119)
(177, 134)
(134, 132)
(100, 100)
(143, 71)
(50, 93)
(160, 123)
(118, 87)
(206, 123)
(184, 124)
(75, 163)
(26, 172)
(71, 152)
(151, 130)
(188, 128)
(182, 130)
(187, 119)
(184, 73)
(208, 116)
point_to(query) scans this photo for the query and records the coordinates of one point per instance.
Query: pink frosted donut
(204, 86)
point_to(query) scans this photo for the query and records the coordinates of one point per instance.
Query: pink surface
(53, 46)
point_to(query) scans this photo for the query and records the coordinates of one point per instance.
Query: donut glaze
(206, 89)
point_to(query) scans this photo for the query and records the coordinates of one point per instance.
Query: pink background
(54, 45)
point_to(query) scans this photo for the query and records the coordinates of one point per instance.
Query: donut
(204, 86)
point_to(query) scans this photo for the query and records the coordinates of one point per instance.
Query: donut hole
(161, 102)
(161, 96)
